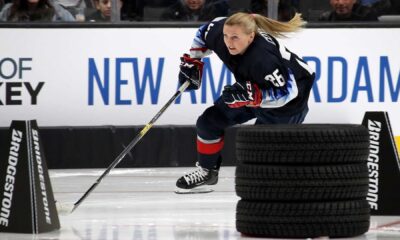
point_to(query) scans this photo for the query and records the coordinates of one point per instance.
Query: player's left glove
(238, 95)
(191, 69)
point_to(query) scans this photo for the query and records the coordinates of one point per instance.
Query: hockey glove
(237, 95)
(191, 69)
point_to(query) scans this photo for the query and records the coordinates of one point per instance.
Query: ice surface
(141, 204)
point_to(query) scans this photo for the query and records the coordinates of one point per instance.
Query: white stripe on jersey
(305, 66)
(199, 43)
(287, 55)
(284, 52)
(210, 25)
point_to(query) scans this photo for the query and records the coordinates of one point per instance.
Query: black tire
(301, 183)
(302, 143)
(301, 191)
(302, 172)
(303, 220)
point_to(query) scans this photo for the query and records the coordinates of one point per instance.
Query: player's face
(236, 40)
(343, 7)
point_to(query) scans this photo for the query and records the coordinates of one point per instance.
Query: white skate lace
(196, 176)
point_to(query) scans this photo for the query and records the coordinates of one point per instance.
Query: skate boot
(195, 181)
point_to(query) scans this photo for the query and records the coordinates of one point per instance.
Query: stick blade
(64, 208)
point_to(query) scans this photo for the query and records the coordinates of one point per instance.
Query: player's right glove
(239, 95)
(191, 69)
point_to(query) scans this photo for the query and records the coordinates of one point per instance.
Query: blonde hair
(252, 21)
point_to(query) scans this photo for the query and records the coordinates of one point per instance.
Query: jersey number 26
(276, 78)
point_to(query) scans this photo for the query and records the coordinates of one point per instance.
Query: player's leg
(210, 128)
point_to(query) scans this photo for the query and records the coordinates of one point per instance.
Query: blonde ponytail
(251, 23)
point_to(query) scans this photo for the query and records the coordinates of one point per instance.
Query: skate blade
(193, 190)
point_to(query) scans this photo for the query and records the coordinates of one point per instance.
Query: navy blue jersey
(284, 78)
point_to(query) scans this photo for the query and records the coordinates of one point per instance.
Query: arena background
(92, 89)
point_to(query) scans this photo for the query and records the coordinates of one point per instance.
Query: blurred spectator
(368, 3)
(286, 9)
(103, 13)
(381, 7)
(191, 10)
(348, 10)
(129, 10)
(75, 7)
(159, 3)
(34, 11)
(395, 9)
(132, 10)
(221, 7)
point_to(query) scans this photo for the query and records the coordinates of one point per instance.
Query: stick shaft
(121, 156)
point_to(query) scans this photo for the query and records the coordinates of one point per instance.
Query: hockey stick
(131, 145)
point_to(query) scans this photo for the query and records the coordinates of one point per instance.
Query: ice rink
(141, 204)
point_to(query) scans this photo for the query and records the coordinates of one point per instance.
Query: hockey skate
(197, 181)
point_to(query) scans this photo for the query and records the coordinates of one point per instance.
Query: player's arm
(243, 93)
(271, 86)
(199, 49)
(278, 85)
(191, 67)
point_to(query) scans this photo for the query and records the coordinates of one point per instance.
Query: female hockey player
(272, 84)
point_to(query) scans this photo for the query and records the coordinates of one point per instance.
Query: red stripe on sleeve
(199, 49)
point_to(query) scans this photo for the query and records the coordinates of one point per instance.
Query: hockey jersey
(284, 78)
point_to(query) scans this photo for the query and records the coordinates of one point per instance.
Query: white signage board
(92, 77)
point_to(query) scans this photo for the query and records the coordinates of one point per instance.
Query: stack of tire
(302, 181)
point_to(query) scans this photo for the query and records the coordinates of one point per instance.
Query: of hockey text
(13, 90)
